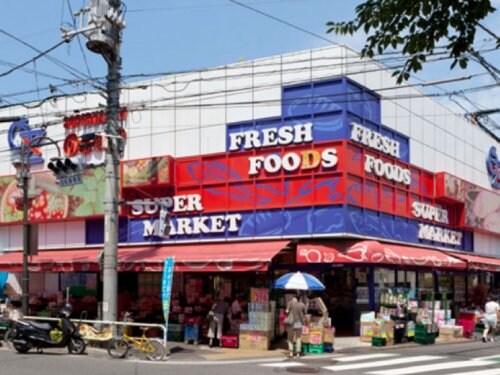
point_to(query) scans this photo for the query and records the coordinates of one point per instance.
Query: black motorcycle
(26, 334)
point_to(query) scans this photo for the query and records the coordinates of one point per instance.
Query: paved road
(474, 358)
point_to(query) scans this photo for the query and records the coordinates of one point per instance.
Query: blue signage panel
(166, 286)
(302, 221)
(331, 107)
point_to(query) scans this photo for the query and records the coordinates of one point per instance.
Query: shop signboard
(166, 287)
(20, 130)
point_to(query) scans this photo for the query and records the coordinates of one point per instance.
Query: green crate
(378, 341)
(304, 348)
(316, 349)
(429, 339)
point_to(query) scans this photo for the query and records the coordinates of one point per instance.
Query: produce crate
(329, 347)
(191, 333)
(230, 341)
(429, 338)
(379, 341)
(316, 348)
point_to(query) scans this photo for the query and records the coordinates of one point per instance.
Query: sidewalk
(181, 352)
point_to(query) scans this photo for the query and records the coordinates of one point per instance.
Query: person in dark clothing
(220, 310)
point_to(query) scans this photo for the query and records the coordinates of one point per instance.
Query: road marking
(493, 371)
(283, 364)
(429, 368)
(363, 357)
(494, 358)
(387, 362)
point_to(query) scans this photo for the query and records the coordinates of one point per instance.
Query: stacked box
(255, 340)
(328, 335)
(366, 331)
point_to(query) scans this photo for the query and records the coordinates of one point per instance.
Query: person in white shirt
(490, 318)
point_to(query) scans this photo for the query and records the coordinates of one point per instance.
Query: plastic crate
(430, 338)
(191, 332)
(379, 341)
(316, 348)
(230, 341)
(328, 347)
(175, 336)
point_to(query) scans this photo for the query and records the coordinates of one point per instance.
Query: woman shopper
(296, 311)
(219, 310)
(490, 318)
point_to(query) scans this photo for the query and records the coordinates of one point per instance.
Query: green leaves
(416, 26)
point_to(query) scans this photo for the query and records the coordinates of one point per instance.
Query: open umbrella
(298, 281)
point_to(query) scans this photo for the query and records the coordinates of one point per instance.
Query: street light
(23, 176)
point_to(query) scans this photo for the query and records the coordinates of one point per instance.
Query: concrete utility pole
(106, 41)
(103, 31)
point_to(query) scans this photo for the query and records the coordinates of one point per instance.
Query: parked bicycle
(119, 347)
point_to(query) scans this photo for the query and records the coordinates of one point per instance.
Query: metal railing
(108, 322)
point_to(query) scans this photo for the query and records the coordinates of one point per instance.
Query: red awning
(374, 252)
(477, 262)
(227, 256)
(81, 260)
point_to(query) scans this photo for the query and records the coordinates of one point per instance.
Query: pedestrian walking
(296, 315)
(219, 311)
(491, 310)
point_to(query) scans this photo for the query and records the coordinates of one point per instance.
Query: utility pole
(103, 31)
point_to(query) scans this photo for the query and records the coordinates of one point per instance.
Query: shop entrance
(339, 298)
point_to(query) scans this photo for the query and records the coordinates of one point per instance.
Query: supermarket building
(311, 161)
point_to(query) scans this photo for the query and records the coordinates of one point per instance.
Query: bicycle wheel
(118, 348)
(159, 351)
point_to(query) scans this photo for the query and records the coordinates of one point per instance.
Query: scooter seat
(42, 326)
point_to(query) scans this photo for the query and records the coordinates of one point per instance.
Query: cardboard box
(255, 340)
(328, 335)
(316, 337)
(366, 331)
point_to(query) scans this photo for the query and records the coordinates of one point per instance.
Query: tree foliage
(417, 26)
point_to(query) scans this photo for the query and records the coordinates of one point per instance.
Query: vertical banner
(166, 287)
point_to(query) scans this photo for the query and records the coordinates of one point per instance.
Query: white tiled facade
(186, 114)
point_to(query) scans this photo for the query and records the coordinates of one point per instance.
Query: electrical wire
(70, 10)
(283, 22)
(41, 54)
(212, 77)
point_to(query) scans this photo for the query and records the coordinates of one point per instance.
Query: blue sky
(179, 35)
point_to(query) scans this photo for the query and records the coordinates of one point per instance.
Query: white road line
(387, 362)
(429, 368)
(283, 364)
(363, 357)
(488, 358)
(493, 371)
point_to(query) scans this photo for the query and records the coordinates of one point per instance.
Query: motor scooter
(27, 334)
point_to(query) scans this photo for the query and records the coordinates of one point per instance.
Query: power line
(279, 69)
(283, 21)
(41, 54)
